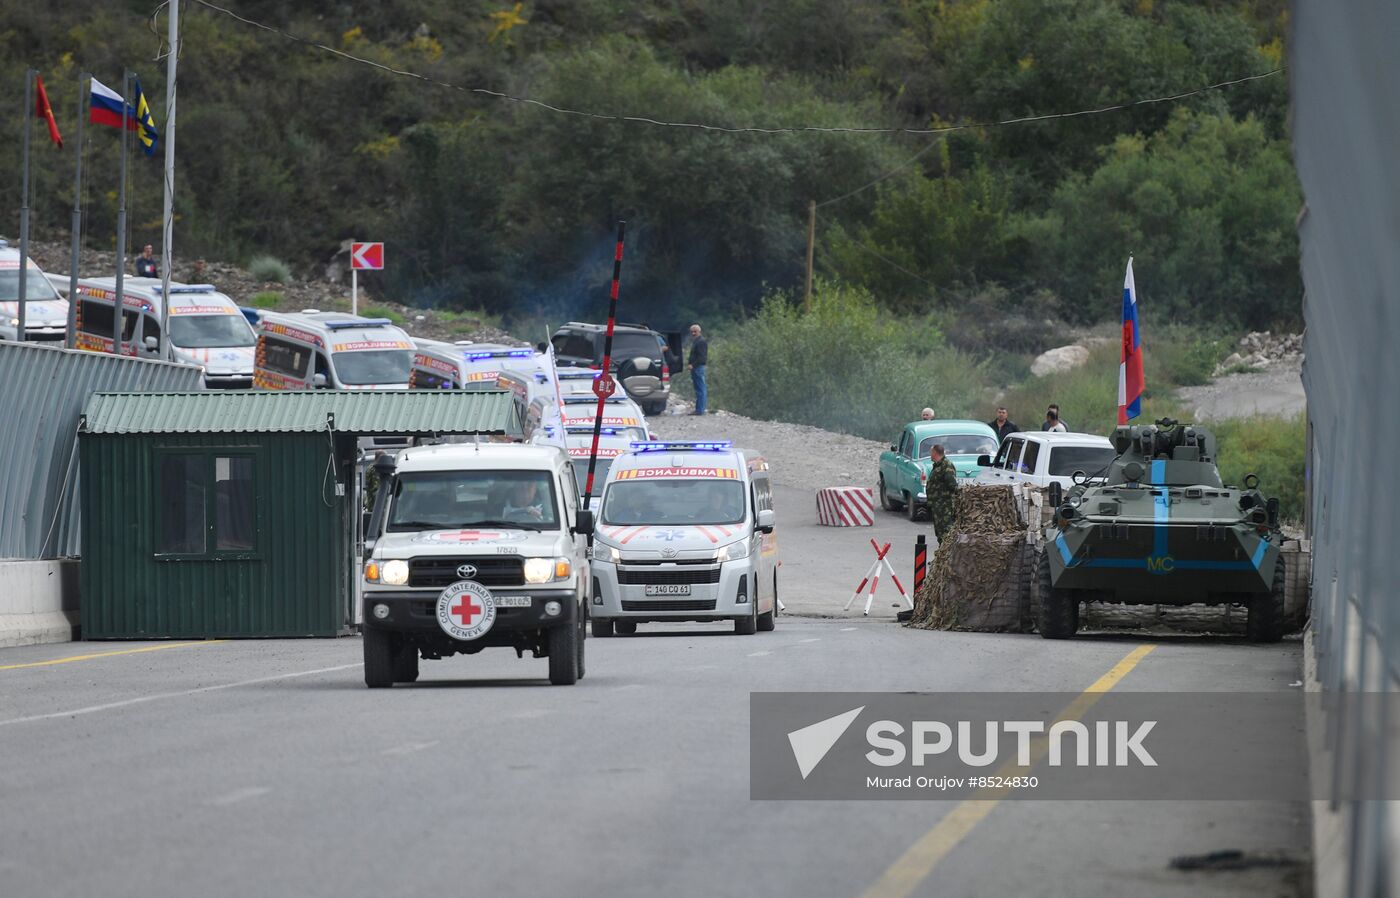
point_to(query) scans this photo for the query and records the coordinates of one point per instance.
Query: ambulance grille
(668, 605)
(490, 571)
(666, 576)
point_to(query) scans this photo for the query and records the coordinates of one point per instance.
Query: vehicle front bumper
(228, 381)
(414, 611)
(610, 600)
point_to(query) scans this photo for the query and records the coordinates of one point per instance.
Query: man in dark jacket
(699, 357)
(1002, 424)
(1053, 421)
(146, 264)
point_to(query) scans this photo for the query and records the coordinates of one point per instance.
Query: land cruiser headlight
(733, 551)
(606, 553)
(394, 573)
(546, 570)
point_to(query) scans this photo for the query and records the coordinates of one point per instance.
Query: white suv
(1043, 458)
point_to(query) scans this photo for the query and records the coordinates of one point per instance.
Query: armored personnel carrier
(1162, 529)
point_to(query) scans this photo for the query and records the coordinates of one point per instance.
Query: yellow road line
(912, 867)
(149, 648)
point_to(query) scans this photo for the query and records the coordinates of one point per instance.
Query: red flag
(44, 111)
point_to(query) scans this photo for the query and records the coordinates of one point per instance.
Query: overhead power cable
(702, 126)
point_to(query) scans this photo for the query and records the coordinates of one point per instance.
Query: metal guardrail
(1346, 127)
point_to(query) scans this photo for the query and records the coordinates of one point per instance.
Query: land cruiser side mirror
(984, 461)
(152, 343)
(765, 521)
(583, 522)
(892, 448)
(1057, 493)
(318, 380)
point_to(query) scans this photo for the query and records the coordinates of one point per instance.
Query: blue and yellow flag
(142, 122)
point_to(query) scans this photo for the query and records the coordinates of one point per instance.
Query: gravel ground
(802, 457)
(1277, 390)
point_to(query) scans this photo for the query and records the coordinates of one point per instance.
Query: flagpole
(24, 206)
(76, 241)
(119, 304)
(167, 232)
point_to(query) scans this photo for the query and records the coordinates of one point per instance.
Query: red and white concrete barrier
(846, 506)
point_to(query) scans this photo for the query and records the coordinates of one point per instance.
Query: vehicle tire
(911, 507)
(602, 629)
(886, 502)
(1059, 609)
(379, 649)
(655, 408)
(563, 655)
(582, 635)
(406, 664)
(747, 626)
(769, 619)
(1265, 621)
(625, 627)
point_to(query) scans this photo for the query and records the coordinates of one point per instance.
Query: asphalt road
(266, 768)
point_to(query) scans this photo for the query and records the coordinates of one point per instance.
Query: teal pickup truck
(905, 465)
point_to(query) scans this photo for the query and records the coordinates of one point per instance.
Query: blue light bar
(352, 323)
(682, 446)
(500, 354)
(606, 431)
(187, 288)
(580, 375)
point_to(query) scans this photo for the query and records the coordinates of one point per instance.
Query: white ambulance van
(685, 532)
(206, 327)
(464, 365)
(333, 350)
(45, 312)
(574, 381)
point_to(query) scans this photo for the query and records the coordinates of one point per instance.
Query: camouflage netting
(977, 579)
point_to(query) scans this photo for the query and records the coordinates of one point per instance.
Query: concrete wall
(38, 601)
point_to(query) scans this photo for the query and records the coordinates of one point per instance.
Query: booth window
(205, 503)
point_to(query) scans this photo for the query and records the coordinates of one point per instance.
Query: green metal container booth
(235, 514)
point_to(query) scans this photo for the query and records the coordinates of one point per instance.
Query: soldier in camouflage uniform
(942, 491)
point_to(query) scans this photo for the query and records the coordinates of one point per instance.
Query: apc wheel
(769, 619)
(379, 658)
(1059, 610)
(602, 628)
(564, 645)
(406, 664)
(625, 627)
(1265, 621)
(886, 502)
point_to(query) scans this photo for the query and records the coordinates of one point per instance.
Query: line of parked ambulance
(241, 348)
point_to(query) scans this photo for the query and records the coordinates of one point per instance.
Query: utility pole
(84, 83)
(119, 304)
(167, 231)
(24, 206)
(811, 245)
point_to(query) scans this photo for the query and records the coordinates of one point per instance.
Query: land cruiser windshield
(462, 500)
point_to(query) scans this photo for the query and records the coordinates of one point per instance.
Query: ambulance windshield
(209, 331)
(677, 500)
(377, 366)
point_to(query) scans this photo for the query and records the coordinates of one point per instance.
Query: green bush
(268, 299)
(382, 312)
(1184, 356)
(269, 268)
(846, 365)
(1273, 448)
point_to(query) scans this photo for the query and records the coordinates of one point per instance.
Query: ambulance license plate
(666, 589)
(512, 601)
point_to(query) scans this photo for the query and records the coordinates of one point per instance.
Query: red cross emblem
(467, 610)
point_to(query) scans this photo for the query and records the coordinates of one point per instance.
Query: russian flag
(1130, 379)
(107, 107)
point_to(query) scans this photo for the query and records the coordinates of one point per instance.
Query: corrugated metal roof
(406, 412)
(42, 392)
